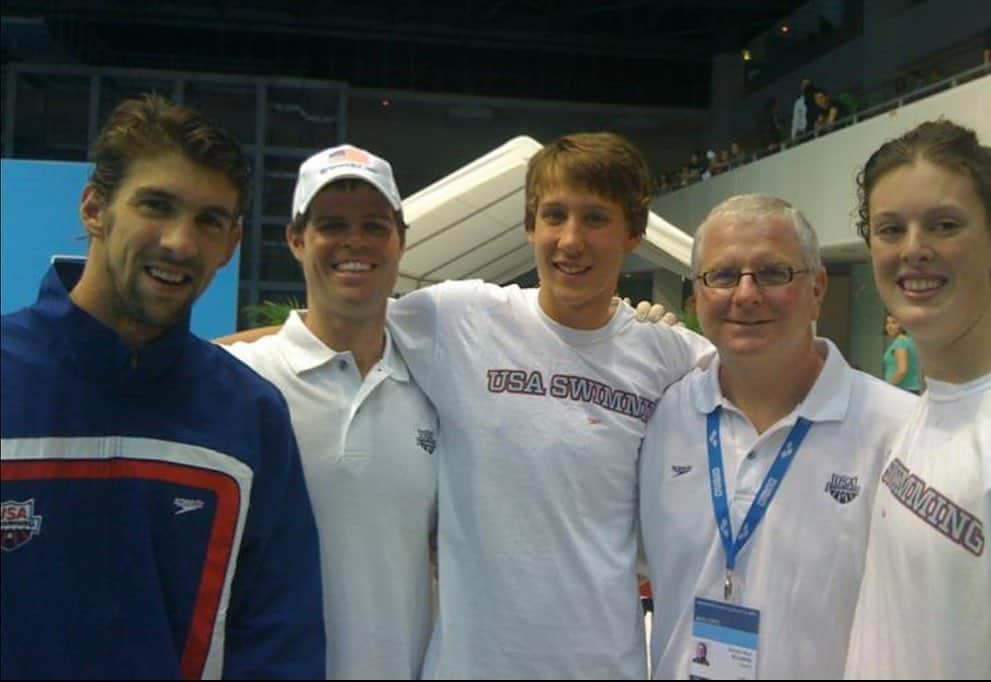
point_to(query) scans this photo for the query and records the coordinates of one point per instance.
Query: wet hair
(605, 164)
(942, 143)
(298, 223)
(151, 125)
(753, 208)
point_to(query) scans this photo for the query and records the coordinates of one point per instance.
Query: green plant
(850, 102)
(268, 313)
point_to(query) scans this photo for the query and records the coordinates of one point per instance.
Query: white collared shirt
(367, 447)
(801, 568)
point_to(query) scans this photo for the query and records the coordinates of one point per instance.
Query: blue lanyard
(772, 481)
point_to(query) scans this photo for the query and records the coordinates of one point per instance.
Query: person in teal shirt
(691, 316)
(901, 361)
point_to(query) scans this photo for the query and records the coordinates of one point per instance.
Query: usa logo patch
(843, 488)
(426, 440)
(18, 523)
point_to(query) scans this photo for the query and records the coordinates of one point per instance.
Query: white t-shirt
(802, 566)
(925, 604)
(367, 447)
(540, 429)
(798, 116)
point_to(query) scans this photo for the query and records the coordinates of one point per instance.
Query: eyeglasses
(769, 276)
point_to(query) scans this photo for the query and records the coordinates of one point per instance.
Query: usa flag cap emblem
(340, 163)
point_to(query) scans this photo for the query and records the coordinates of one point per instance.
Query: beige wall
(819, 178)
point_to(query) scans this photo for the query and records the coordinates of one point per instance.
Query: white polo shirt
(368, 456)
(802, 566)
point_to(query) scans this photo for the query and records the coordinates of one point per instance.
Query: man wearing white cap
(366, 433)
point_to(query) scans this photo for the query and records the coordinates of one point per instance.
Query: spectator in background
(696, 166)
(815, 111)
(901, 361)
(710, 159)
(721, 163)
(737, 157)
(690, 316)
(690, 172)
(800, 110)
(664, 183)
(769, 131)
(827, 111)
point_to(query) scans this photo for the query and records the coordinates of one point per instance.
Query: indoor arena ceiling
(652, 53)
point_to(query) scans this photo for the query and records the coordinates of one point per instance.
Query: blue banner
(40, 219)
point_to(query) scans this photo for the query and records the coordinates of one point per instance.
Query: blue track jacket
(154, 522)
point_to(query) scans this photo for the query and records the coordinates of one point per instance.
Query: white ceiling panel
(510, 265)
(469, 263)
(510, 210)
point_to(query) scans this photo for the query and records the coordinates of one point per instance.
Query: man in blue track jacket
(154, 520)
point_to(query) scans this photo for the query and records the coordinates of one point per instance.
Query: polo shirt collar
(828, 400)
(303, 351)
(392, 362)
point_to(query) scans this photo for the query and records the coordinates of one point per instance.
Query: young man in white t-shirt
(800, 110)
(543, 396)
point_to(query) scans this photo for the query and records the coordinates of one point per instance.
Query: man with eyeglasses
(758, 469)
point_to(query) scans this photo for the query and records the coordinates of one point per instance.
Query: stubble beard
(130, 305)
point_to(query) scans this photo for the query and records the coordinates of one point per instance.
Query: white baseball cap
(339, 163)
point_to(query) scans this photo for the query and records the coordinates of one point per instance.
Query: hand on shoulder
(655, 313)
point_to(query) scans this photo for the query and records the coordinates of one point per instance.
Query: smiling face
(891, 326)
(930, 246)
(155, 245)
(349, 249)
(749, 320)
(579, 241)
